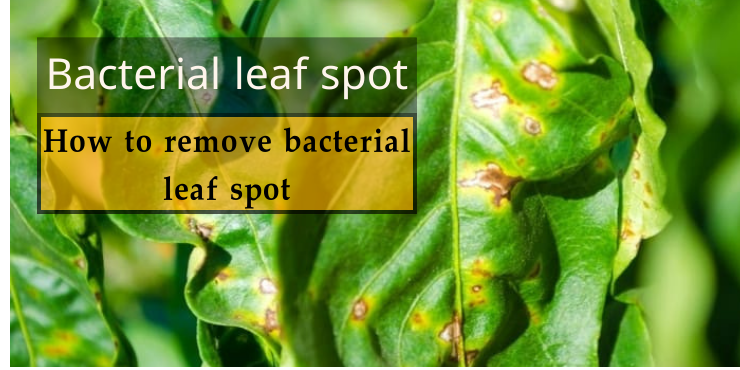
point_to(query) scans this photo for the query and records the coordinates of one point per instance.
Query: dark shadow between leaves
(215, 261)
(583, 183)
(527, 297)
(597, 68)
(613, 314)
(513, 325)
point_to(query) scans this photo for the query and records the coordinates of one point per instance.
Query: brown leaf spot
(627, 232)
(612, 122)
(207, 97)
(534, 316)
(203, 231)
(600, 164)
(158, 150)
(226, 23)
(636, 174)
(477, 302)
(491, 98)
(451, 333)
(648, 189)
(98, 297)
(223, 275)
(493, 179)
(480, 271)
(417, 318)
(80, 263)
(359, 310)
(267, 286)
(470, 356)
(532, 126)
(271, 321)
(476, 288)
(541, 74)
(65, 336)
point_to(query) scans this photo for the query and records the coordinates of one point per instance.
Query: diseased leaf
(231, 283)
(509, 259)
(643, 181)
(58, 312)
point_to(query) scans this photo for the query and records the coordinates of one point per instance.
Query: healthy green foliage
(625, 339)
(39, 18)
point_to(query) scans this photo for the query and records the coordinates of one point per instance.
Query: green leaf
(189, 30)
(688, 14)
(625, 339)
(643, 180)
(256, 19)
(58, 313)
(231, 283)
(30, 19)
(509, 259)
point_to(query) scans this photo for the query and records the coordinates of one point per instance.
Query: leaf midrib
(194, 105)
(460, 37)
(165, 42)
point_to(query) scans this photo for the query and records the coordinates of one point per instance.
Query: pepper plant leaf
(643, 179)
(509, 258)
(231, 283)
(58, 313)
(626, 340)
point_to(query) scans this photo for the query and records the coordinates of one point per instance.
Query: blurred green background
(689, 274)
